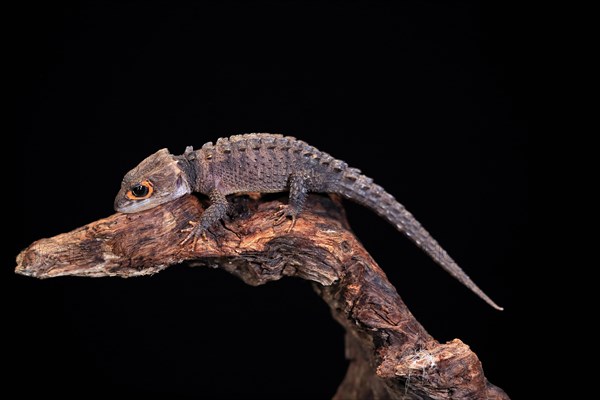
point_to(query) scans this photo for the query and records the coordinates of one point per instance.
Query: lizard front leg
(213, 214)
(298, 194)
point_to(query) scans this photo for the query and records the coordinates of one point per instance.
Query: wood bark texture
(391, 355)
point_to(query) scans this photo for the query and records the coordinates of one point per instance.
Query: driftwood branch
(391, 355)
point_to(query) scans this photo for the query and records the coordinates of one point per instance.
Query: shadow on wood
(391, 355)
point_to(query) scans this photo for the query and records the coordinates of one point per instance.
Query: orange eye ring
(140, 191)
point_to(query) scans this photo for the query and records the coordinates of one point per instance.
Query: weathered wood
(391, 355)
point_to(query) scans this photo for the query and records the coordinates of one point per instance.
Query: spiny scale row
(257, 141)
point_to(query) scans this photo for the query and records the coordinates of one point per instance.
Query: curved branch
(391, 355)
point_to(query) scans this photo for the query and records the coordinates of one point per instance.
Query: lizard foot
(193, 232)
(284, 212)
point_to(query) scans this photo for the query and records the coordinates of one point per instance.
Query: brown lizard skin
(269, 163)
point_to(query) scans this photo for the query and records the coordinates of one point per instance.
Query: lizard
(268, 163)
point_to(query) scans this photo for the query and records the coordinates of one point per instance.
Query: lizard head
(156, 180)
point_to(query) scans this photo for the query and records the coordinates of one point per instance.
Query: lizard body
(269, 163)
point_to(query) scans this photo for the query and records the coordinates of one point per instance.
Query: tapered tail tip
(493, 304)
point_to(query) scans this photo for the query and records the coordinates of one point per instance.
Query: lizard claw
(279, 216)
(284, 212)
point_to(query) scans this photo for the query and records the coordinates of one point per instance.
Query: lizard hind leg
(298, 194)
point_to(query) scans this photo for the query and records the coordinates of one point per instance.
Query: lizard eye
(140, 191)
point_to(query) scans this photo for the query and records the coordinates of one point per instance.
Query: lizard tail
(361, 189)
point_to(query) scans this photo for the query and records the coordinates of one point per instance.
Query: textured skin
(268, 163)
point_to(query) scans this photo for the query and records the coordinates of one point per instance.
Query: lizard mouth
(132, 206)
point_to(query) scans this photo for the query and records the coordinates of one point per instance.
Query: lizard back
(262, 162)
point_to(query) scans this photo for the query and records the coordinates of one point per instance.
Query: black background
(425, 97)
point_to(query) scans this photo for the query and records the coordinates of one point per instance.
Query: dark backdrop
(425, 97)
